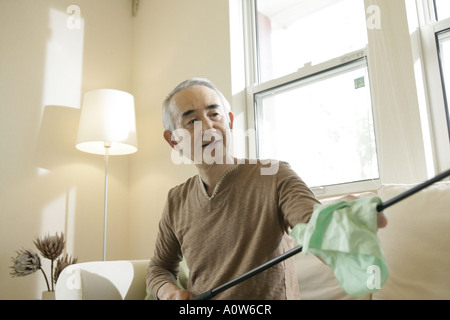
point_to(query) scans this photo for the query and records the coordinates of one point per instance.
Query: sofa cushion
(416, 243)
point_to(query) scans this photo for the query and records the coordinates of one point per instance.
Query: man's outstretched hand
(381, 218)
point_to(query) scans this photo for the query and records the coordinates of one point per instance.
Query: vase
(48, 295)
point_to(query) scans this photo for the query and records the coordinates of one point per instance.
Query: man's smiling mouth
(204, 145)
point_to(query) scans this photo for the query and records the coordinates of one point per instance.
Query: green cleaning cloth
(344, 235)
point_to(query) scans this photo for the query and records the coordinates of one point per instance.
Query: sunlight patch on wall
(42, 171)
(64, 58)
(62, 83)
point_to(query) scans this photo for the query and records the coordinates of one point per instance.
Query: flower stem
(51, 270)
(46, 280)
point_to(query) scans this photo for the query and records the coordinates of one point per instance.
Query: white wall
(46, 185)
(173, 40)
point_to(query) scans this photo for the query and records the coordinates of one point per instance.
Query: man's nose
(207, 124)
(203, 126)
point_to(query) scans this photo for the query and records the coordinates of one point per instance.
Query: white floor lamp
(107, 127)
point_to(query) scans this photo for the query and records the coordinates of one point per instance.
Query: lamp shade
(107, 119)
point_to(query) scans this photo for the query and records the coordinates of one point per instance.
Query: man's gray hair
(168, 112)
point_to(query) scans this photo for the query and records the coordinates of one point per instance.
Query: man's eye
(191, 122)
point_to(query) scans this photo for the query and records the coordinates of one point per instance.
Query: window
(434, 17)
(443, 40)
(311, 92)
(292, 33)
(442, 9)
(322, 124)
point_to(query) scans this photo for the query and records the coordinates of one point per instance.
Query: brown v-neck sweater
(243, 225)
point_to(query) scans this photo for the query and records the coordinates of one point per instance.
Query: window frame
(434, 83)
(254, 86)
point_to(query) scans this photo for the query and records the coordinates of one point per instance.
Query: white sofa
(416, 244)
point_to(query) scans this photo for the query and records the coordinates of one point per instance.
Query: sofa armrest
(103, 280)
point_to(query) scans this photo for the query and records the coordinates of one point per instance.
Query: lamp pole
(105, 214)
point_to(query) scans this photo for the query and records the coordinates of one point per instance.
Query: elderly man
(231, 217)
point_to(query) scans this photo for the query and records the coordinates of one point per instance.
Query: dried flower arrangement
(51, 247)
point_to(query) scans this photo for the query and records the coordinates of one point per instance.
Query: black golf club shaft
(212, 293)
(412, 191)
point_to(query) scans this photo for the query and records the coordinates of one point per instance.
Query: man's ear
(231, 116)
(168, 138)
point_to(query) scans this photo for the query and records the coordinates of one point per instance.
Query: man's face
(199, 115)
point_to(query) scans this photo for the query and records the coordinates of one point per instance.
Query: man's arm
(164, 266)
(295, 199)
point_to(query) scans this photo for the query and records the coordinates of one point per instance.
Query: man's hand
(381, 218)
(170, 291)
